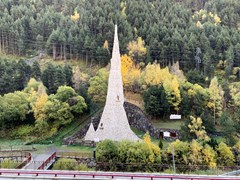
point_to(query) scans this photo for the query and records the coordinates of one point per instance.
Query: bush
(23, 131)
(65, 164)
(106, 150)
(8, 164)
(69, 164)
(82, 167)
(128, 155)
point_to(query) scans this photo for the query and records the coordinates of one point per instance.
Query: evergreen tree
(36, 71)
(68, 75)
(155, 101)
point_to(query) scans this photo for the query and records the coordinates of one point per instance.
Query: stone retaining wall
(136, 118)
(89, 162)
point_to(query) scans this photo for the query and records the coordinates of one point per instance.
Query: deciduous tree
(225, 156)
(137, 50)
(130, 73)
(216, 98)
(98, 86)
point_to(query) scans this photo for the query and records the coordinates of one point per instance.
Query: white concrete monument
(114, 123)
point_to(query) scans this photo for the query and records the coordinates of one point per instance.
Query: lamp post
(174, 168)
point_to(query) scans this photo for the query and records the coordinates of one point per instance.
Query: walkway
(41, 161)
(232, 173)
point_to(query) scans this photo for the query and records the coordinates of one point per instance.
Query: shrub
(82, 167)
(8, 164)
(23, 131)
(65, 164)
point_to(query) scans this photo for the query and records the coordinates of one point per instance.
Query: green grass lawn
(41, 148)
(168, 124)
(10, 142)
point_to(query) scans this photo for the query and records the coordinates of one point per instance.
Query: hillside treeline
(198, 34)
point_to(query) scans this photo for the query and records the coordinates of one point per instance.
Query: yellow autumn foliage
(38, 105)
(75, 17)
(194, 89)
(137, 49)
(105, 45)
(216, 97)
(153, 75)
(199, 24)
(153, 148)
(197, 128)
(203, 16)
(171, 87)
(235, 93)
(217, 19)
(209, 156)
(130, 72)
(194, 154)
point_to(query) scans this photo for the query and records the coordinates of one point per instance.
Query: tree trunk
(3, 45)
(12, 43)
(64, 52)
(54, 51)
(61, 52)
(6, 43)
(1, 42)
(70, 51)
(91, 62)
(86, 58)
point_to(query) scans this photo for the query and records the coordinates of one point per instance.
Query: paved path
(38, 159)
(233, 173)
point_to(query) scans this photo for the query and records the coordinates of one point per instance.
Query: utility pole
(174, 168)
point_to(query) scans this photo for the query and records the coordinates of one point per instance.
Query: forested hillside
(197, 33)
(180, 56)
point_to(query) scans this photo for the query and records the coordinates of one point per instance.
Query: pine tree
(68, 75)
(36, 71)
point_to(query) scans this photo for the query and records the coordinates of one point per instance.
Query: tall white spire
(116, 51)
(114, 123)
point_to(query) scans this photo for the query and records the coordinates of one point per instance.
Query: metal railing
(21, 158)
(165, 168)
(47, 161)
(110, 175)
(26, 161)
